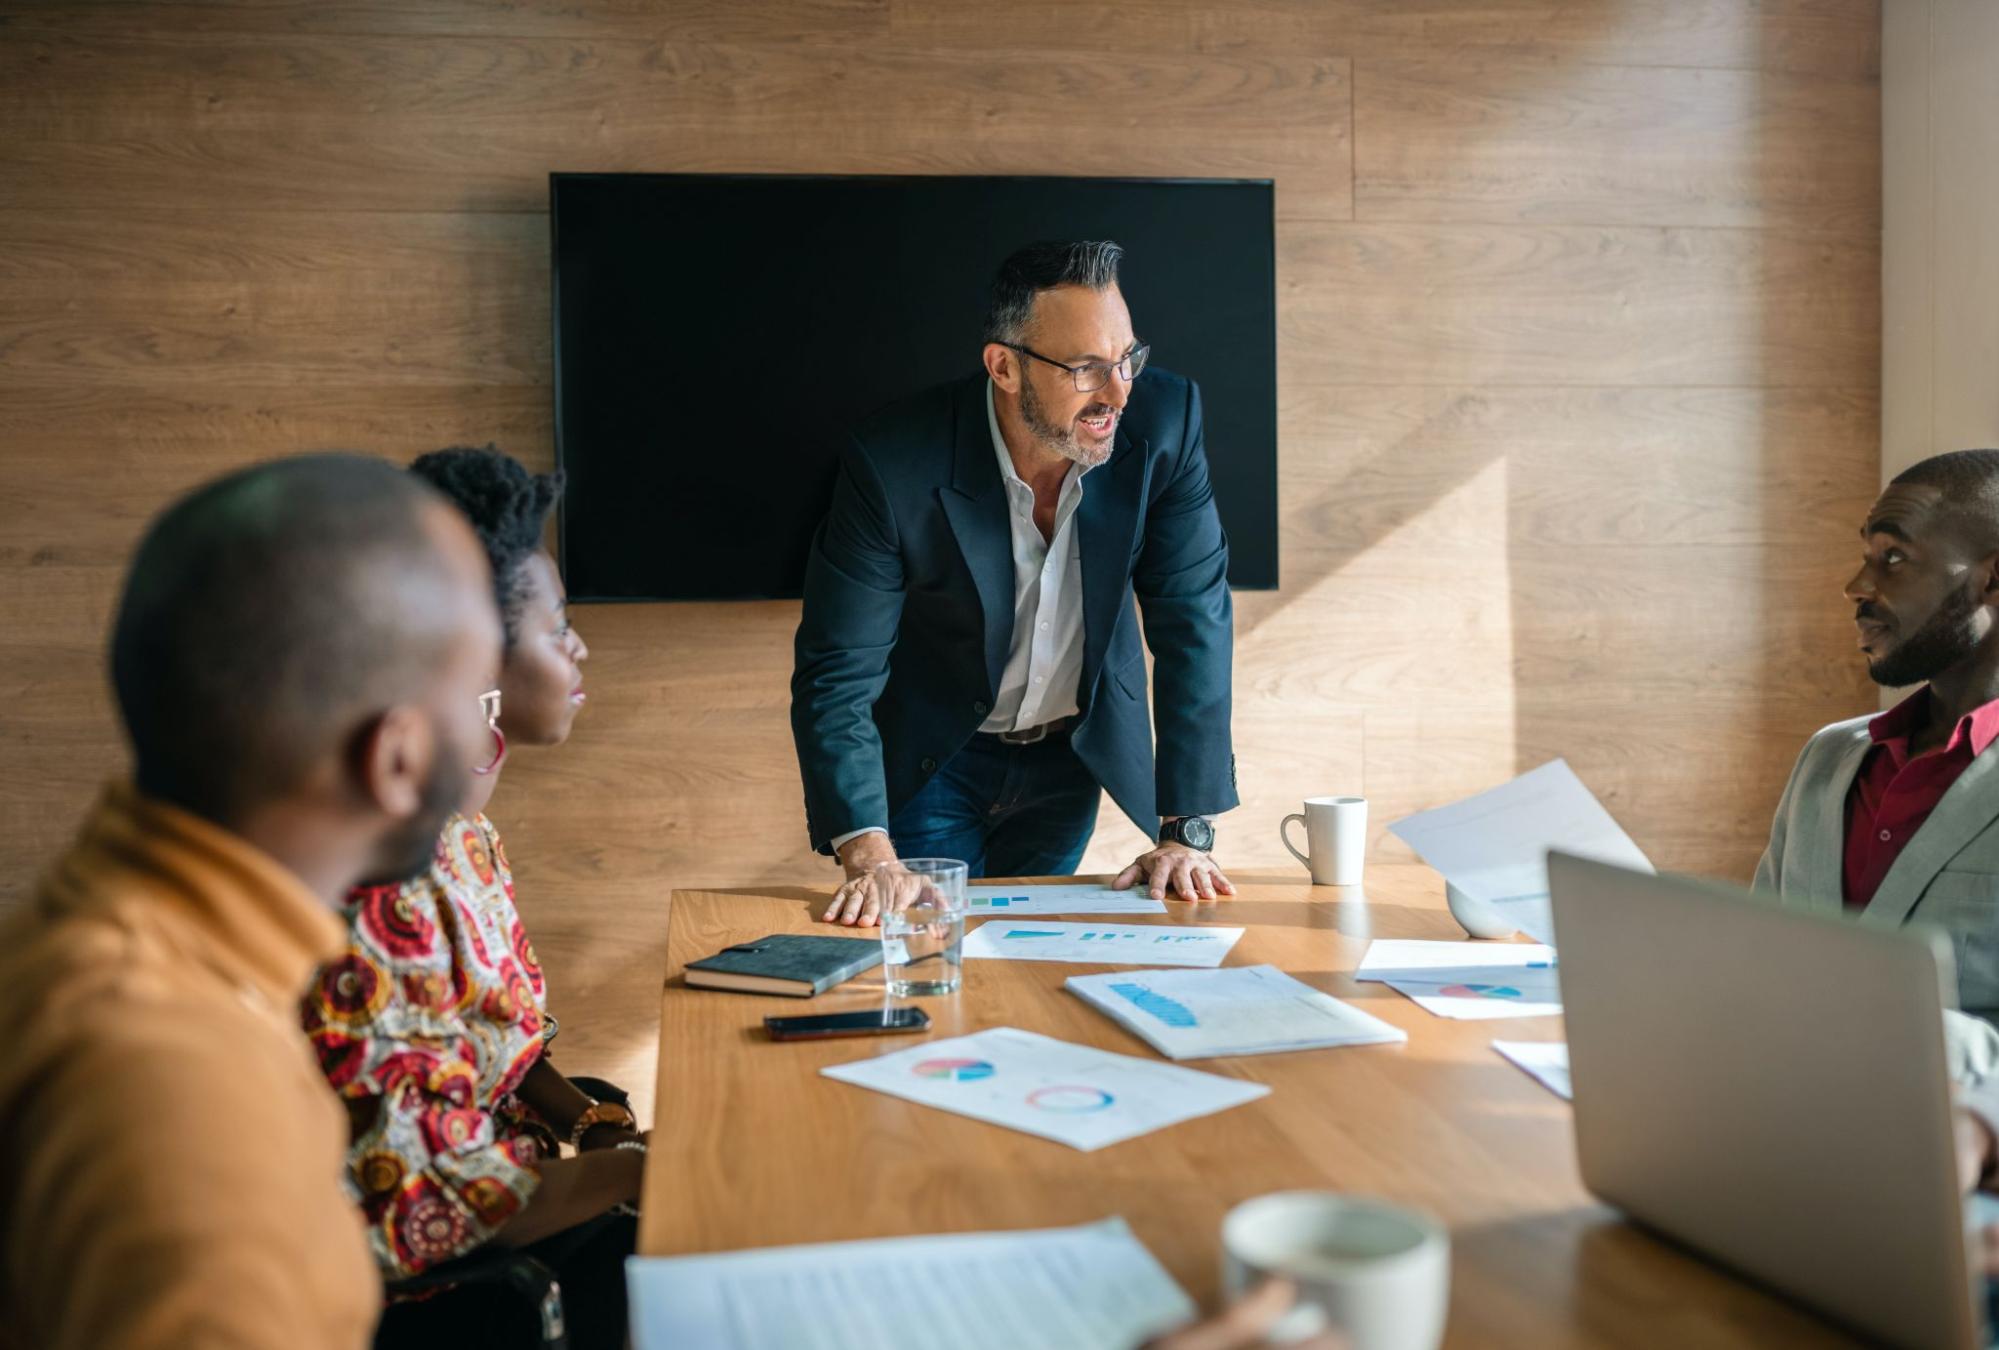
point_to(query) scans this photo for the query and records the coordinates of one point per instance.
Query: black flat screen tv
(715, 335)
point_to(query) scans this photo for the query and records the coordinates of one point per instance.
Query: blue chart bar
(1028, 933)
(1171, 1011)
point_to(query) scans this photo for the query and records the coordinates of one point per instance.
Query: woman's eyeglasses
(489, 705)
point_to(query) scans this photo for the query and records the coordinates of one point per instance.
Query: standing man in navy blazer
(968, 674)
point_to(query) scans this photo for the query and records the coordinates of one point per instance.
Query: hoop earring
(499, 754)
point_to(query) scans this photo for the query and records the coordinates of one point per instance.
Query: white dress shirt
(1044, 662)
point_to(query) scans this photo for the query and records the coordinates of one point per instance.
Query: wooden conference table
(753, 1148)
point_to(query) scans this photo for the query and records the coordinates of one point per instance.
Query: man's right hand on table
(860, 898)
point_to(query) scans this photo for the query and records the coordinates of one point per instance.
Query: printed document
(1494, 846)
(1547, 1061)
(1009, 901)
(1468, 980)
(1073, 1094)
(1093, 1287)
(1245, 1010)
(1130, 944)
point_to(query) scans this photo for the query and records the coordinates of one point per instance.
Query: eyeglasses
(1093, 375)
(489, 707)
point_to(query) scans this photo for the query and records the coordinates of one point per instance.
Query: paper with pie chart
(1073, 1094)
(1135, 944)
(1468, 980)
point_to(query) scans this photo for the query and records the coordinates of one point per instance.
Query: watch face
(1197, 833)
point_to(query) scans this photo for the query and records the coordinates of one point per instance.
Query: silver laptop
(1770, 1088)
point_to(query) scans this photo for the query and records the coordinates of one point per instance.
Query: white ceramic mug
(1335, 839)
(1378, 1273)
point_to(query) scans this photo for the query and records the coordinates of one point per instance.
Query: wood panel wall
(1940, 307)
(1579, 339)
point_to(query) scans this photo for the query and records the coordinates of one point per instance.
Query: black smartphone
(874, 1022)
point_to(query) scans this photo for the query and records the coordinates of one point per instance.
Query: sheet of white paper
(1468, 980)
(1416, 959)
(1074, 1094)
(1093, 1287)
(1475, 1000)
(1245, 1010)
(1494, 846)
(1008, 901)
(1131, 944)
(1547, 1061)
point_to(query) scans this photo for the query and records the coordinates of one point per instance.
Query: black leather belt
(1033, 735)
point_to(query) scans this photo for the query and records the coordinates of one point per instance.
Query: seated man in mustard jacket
(1894, 818)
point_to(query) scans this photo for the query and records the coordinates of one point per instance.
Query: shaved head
(1967, 484)
(269, 614)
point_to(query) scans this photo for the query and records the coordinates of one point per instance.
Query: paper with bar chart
(1245, 1010)
(1012, 901)
(1073, 1094)
(1101, 943)
(1468, 980)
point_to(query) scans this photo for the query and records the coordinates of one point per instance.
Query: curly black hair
(508, 508)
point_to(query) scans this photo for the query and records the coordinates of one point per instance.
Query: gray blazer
(1947, 876)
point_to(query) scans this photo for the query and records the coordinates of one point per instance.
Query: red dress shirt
(1894, 793)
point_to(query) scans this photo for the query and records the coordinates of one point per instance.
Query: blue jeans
(1006, 810)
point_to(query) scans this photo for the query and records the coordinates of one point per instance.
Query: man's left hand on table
(1175, 867)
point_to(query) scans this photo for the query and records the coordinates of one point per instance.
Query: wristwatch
(1193, 831)
(601, 1113)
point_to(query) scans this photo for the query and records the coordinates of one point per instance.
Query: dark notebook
(786, 963)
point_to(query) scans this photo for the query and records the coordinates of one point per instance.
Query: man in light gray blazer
(1894, 818)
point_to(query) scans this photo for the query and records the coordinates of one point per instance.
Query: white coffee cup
(1335, 839)
(1378, 1273)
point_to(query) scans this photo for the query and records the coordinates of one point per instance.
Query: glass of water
(923, 925)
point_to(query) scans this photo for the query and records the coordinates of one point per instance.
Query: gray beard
(1056, 439)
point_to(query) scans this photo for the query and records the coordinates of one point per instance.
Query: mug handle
(1284, 833)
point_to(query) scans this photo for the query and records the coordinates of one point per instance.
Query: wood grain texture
(1569, 466)
(1481, 304)
(1608, 145)
(752, 1147)
(391, 124)
(1839, 38)
(800, 21)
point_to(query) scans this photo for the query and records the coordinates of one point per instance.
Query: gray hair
(1043, 266)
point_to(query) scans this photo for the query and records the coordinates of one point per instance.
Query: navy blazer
(908, 612)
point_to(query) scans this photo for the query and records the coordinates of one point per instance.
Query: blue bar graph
(1171, 1011)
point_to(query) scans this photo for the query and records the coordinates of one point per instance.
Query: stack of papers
(1248, 1010)
(1469, 980)
(1134, 944)
(1014, 901)
(1494, 847)
(1093, 1287)
(1074, 1094)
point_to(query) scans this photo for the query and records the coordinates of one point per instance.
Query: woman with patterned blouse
(433, 1026)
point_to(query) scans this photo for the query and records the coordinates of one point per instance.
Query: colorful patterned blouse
(436, 1011)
